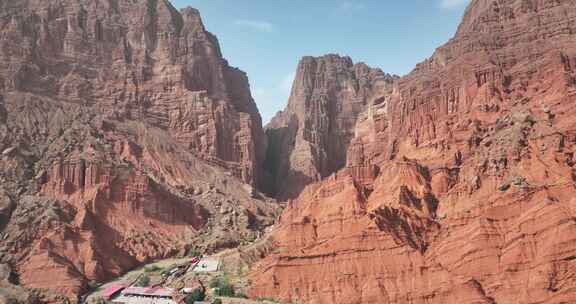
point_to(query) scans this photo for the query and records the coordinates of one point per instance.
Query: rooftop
(149, 292)
(112, 290)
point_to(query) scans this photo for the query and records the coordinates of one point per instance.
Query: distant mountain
(309, 139)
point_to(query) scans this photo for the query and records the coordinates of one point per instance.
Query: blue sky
(266, 38)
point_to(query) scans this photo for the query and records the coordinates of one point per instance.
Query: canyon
(127, 138)
(308, 140)
(459, 182)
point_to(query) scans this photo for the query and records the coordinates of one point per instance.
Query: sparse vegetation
(222, 287)
(217, 301)
(240, 271)
(251, 238)
(197, 294)
(152, 268)
(143, 281)
(194, 252)
(226, 290)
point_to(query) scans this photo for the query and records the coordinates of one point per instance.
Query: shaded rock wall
(309, 139)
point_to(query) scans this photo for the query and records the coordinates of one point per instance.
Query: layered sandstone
(309, 139)
(124, 137)
(142, 60)
(458, 189)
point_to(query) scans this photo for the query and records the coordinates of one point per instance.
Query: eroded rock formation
(309, 139)
(124, 137)
(141, 61)
(458, 189)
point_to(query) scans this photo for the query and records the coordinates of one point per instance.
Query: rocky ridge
(308, 140)
(460, 187)
(124, 137)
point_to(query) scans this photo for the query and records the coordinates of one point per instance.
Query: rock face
(123, 133)
(309, 139)
(138, 61)
(458, 189)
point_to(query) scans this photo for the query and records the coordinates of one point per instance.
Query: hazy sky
(266, 38)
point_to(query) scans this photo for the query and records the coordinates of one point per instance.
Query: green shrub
(225, 290)
(217, 301)
(143, 281)
(152, 268)
(222, 287)
(251, 238)
(194, 252)
(197, 294)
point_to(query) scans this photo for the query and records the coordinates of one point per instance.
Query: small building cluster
(118, 294)
(122, 294)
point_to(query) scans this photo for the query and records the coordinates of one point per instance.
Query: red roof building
(112, 290)
(149, 292)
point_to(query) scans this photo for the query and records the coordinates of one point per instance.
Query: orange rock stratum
(126, 137)
(459, 185)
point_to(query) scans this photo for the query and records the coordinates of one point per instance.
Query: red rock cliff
(124, 137)
(140, 60)
(460, 188)
(309, 139)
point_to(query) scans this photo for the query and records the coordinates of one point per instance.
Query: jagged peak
(346, 62)
(192, 17)
(188, 10)
(473, 12)
(481, 12)
(327, 58)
